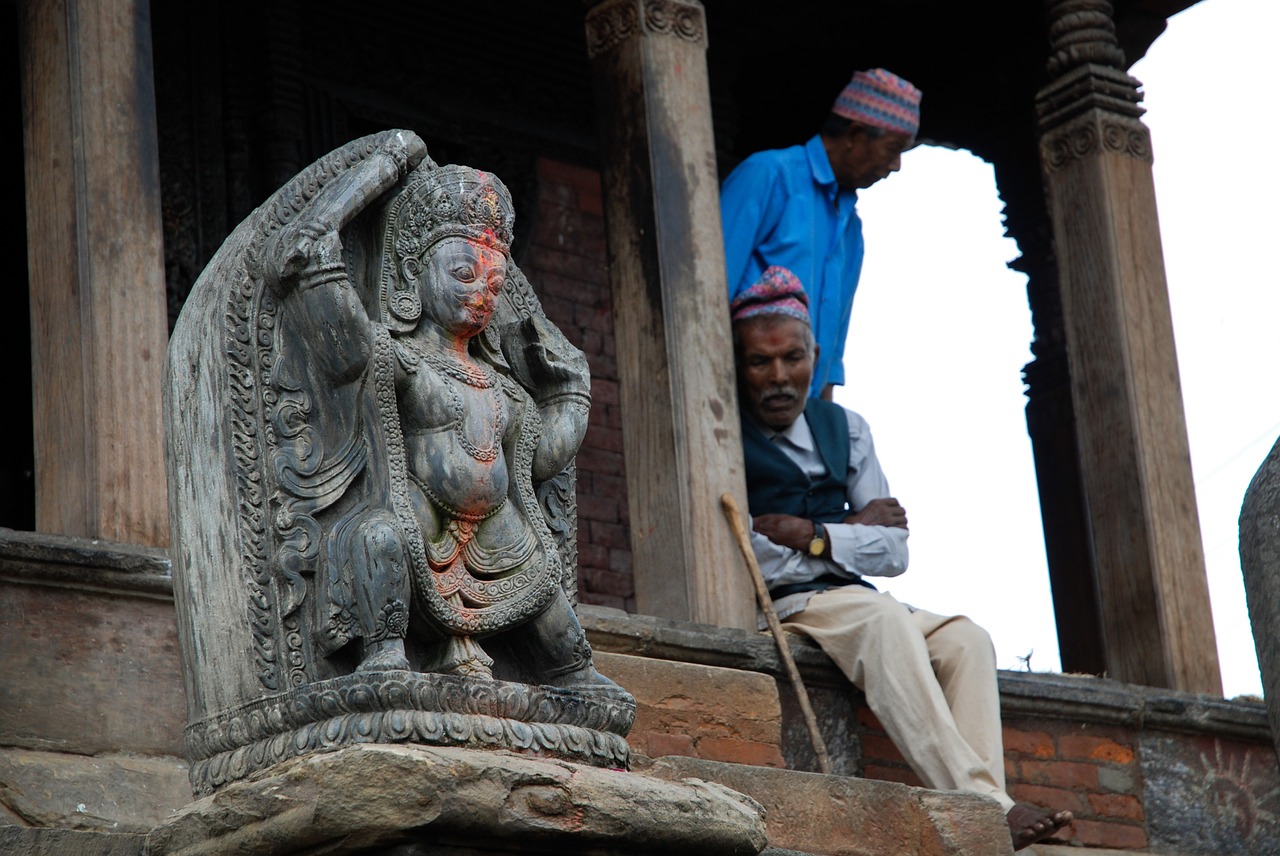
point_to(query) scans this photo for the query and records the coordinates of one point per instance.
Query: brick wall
(567, 264)
(1090, 770)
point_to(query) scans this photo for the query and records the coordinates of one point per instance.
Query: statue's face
(461, 284)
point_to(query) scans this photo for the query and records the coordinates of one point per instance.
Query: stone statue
(372, 427)
(1260, 565)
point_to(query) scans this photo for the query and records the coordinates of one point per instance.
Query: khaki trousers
(930, 679)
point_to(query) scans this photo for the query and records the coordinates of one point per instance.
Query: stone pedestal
(379, 799)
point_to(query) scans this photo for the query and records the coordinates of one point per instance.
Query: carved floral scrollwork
(610, 24)
(405, 707)
(1082, 139)
(1082, 31)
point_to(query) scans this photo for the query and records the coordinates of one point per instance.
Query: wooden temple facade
(150, 130)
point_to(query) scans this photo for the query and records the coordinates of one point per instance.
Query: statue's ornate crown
(454, 202)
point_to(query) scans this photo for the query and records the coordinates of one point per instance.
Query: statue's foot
(584, 678)
(473, 668)
(465, 657)
(386, 655)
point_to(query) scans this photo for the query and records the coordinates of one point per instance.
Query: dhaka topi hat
(777, 292)
(880, 99)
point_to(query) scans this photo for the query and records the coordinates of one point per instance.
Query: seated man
(823, 520)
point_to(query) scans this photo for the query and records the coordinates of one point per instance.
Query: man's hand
(886, 511)
(793, 532)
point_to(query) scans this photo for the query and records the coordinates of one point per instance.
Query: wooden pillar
(1134, 460)
(675, 355)
(98, 324)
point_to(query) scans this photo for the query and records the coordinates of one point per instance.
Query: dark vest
(775, 485)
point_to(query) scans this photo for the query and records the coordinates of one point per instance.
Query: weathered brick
(877, 747)
(604, 391)
(1123, 806)
(1053, 798)
(1036, 743)
(656, 744)
(600, 460)
(592, 203)
(590, 597)
(1063, 774)
(580, 178)
(611, 486)
(599, 508)
(610, 582)
(1117, 780)
(592, 555)
(892, 774)
(609, 534)
(620, 561)
(735, 751)
(1094, 749)
(1120, 836)
(868, 719)
(705, 703)
(603, 437)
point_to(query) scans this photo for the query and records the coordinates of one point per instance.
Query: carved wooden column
(98, 324)
(1134, 459)
(671, 318)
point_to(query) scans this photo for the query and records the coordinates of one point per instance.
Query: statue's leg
(561, 654)
(380, 575)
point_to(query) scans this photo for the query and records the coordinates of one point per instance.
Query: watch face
(816, 547)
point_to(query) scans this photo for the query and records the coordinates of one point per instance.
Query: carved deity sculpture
(372, 427)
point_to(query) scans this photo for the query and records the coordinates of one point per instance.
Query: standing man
(796, 207)
(823, 521)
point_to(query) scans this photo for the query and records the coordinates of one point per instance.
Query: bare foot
(1028, 824)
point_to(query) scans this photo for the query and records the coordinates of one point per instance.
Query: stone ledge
(85, 563)
(132, 569)
(68, 842)
(96, 793)
(810, 813)
(1078, 698)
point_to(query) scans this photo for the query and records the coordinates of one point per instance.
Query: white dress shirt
(856, 548)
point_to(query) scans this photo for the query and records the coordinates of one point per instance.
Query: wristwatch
(818, 545)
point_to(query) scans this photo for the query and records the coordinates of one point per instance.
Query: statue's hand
(312, 252)
(544, 361)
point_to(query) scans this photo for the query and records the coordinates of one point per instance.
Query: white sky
(941, 330)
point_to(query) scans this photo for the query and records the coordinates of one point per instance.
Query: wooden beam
(1134, 457)
(671, 319)
(95, 248)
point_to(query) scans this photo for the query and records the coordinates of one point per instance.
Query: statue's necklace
(478, 377)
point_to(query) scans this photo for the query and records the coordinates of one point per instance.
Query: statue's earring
(406, 306)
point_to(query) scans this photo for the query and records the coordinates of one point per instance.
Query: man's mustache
(785, 392)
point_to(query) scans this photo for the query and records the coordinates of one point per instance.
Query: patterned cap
(777, 292)
(880, 99)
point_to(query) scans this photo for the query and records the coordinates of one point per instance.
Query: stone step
(816, 814)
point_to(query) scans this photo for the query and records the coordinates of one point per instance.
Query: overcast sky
(941, 330)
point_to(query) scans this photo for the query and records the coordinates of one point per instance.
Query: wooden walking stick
(734, 516)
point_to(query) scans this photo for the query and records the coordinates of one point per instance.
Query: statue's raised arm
(388, 490)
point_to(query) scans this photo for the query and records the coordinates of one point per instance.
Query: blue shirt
(783, 207)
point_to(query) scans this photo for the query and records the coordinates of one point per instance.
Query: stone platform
(381, 799)
(92, 714)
